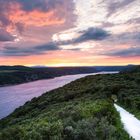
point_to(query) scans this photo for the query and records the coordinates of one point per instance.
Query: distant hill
(132, 69)
(113, 68)
(10, 75)
(18, 67)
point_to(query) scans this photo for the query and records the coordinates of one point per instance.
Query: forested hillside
(81, 110)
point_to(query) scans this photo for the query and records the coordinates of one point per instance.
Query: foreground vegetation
(130, 98)
(81, 110)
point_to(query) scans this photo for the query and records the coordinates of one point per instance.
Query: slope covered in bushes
(81, 110)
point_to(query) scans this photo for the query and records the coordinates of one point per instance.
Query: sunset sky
(69, 32)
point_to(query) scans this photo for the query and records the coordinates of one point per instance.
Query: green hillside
(81, 110)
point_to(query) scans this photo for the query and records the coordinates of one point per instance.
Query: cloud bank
(93, 34)
(92, 30)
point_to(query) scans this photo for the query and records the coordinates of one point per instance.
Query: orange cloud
(33, 18)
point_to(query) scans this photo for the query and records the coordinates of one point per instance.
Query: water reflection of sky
(12, 97)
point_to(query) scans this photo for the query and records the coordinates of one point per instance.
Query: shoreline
(7, 85)
(22, 93)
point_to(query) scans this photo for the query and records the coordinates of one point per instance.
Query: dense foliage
(81, 110)
(130, 98)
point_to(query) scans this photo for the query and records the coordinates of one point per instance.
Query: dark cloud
(4, 6)
(42, 49)
(47, 47)
(107, 24)
(134, 20)
(135, 36)
(92, 34)
(133, 51)
(5, 36)
(20, 27)
(116, 5)
(43, 5)
(29, 5)
(4, 21)
(126, 38)
(16, 51)
(96, 34)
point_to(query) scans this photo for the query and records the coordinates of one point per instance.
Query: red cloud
(16, 15)
(33, 18)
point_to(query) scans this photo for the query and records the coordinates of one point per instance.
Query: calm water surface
(12, 97)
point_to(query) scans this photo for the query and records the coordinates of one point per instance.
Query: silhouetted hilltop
(10, 75)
